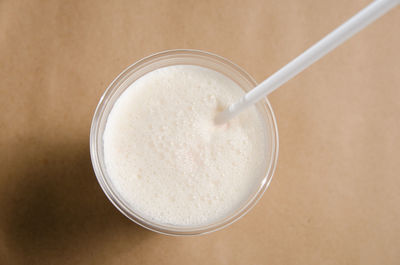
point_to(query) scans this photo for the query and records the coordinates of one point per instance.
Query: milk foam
(167, 158)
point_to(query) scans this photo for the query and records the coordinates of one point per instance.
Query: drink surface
(167, 158)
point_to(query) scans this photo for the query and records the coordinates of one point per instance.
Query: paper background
(334, 198)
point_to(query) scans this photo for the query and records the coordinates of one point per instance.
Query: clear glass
(148, 64)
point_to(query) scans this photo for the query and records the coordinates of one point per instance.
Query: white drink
(167, 158)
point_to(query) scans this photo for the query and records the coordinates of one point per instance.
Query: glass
(137, 70)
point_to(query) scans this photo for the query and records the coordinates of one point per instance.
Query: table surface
(335, 195)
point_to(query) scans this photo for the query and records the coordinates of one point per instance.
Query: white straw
(315, 52)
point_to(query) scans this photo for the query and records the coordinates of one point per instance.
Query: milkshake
(168, 162)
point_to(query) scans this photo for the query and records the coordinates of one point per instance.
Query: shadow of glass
(55, 208)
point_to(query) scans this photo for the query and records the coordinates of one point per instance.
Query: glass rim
(101, 173)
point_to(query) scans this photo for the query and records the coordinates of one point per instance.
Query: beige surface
(334, 198)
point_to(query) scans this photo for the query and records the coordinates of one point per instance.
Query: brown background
(334, 198)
